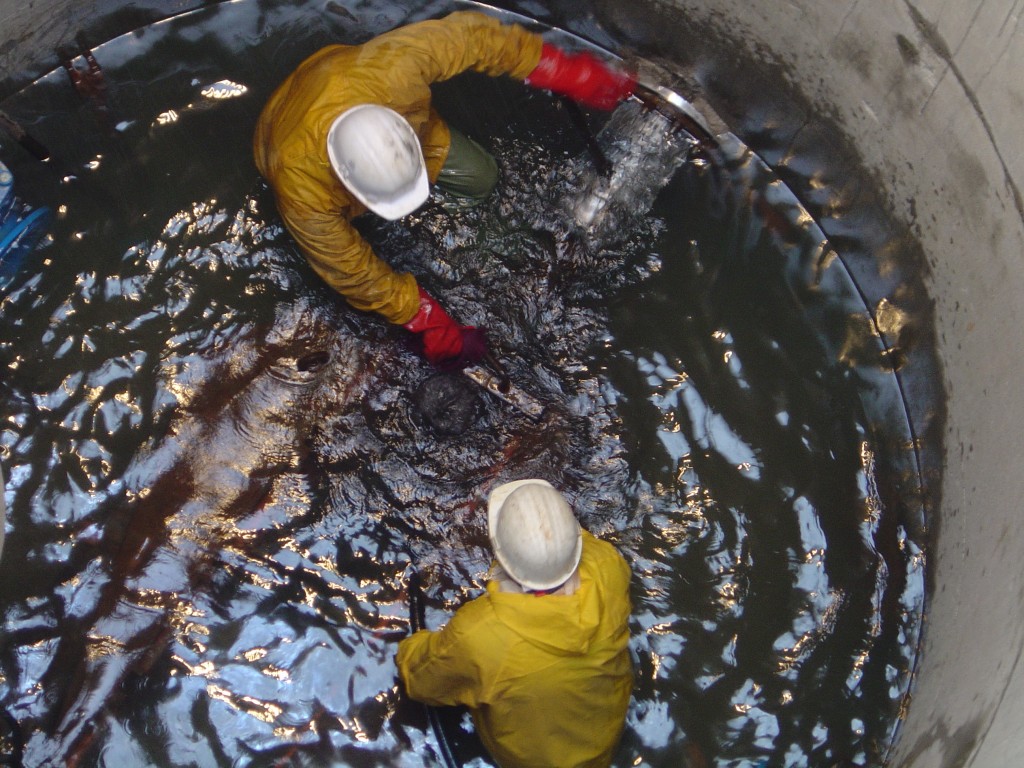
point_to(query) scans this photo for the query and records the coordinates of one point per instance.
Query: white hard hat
(377, 156)
(534, 533)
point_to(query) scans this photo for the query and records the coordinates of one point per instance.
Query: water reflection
(219, 481)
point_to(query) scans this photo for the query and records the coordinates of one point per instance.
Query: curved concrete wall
(900, 117)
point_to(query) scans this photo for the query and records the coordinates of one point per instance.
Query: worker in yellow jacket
(352, 130)
(541, 659)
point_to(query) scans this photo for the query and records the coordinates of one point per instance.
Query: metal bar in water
(504, 390)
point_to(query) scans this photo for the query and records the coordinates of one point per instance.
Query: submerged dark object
(34, 147)
(12, 745)
(448, 402)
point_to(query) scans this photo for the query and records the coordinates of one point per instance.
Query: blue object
(19, 236)
(21, 228)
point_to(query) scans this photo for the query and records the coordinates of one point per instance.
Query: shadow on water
(218, 479)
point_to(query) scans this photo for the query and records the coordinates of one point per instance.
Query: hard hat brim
(403, 204)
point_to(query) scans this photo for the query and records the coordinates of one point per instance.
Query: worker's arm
(446, 344)
(340, 255)
(467, 40)
(337, 252)
(439, 668)
(582, 77)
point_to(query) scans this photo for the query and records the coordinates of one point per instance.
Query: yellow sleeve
(439, 668)
(394, 69)
(339, 254)
(465, 40)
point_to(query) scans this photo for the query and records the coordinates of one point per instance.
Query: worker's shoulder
(605, 556)
(596, 547)
(330, 51)
(475, 621)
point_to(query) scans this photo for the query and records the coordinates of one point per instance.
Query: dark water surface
(217, 480)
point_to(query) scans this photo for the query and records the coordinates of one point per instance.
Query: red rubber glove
(582, 77)
(446, 345)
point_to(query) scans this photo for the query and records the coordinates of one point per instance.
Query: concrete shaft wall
(916, 107)
(911, 111)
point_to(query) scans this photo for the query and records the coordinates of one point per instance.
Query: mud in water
(219, 478)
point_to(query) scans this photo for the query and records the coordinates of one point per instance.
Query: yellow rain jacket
(546, 678)
(394, 70)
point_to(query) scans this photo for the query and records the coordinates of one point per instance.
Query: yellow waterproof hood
(560, 624)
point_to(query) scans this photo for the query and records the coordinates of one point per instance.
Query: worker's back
(547, 678)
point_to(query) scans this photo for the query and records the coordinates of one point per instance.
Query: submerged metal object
(501, 388)
(89, 81)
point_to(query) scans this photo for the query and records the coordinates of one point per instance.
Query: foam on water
(644, 151)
